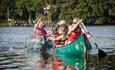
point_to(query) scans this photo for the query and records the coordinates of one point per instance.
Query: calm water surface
(13, 56)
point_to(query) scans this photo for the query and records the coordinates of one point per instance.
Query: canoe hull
(74, 53)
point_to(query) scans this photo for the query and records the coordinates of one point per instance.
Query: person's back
(39, 30)
(40, 34)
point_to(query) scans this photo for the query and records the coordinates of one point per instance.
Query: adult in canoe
(76, 29)
(74, 54)
(55, 31)
(40, 34)
(41, 44)
(61, 23)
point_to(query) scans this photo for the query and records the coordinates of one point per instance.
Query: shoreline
(31, 25)
(46, 25)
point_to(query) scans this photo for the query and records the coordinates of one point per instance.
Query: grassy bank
(4, 23)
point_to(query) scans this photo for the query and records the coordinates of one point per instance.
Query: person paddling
(39, 29)
(40, 34)
(76, 29)
(40, 43)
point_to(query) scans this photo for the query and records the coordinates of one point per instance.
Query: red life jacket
(58, 42)
(41, 32)
(74, 35)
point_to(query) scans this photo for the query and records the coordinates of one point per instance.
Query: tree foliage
(91, 11)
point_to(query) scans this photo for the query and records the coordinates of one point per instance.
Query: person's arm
(35, 28)
(56, 29)
(34, 32)
(84, 31)
(55, 39)
(74, 27)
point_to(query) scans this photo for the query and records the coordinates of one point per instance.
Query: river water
(13, 56)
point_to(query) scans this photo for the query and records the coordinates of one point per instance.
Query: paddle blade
(101, 53)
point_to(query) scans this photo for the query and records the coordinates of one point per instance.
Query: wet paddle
(101, 53)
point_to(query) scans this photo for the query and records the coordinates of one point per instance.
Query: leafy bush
(99, 21)
(3, 21)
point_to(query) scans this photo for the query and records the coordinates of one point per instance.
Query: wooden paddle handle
(92, 37)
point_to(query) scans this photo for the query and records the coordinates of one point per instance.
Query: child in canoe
(61, 38)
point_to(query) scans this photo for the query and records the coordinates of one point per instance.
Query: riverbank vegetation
(93, 12)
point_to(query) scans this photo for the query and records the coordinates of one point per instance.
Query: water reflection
(9, 60)
(24, 60)
(105, 63)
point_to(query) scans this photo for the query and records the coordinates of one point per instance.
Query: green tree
(91, 11)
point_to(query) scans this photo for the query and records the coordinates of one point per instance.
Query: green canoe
(74, 53)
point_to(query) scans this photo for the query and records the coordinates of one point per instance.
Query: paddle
(101, 53)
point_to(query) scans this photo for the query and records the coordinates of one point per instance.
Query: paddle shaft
(92, 37)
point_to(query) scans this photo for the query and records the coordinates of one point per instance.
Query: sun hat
(62, 22)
